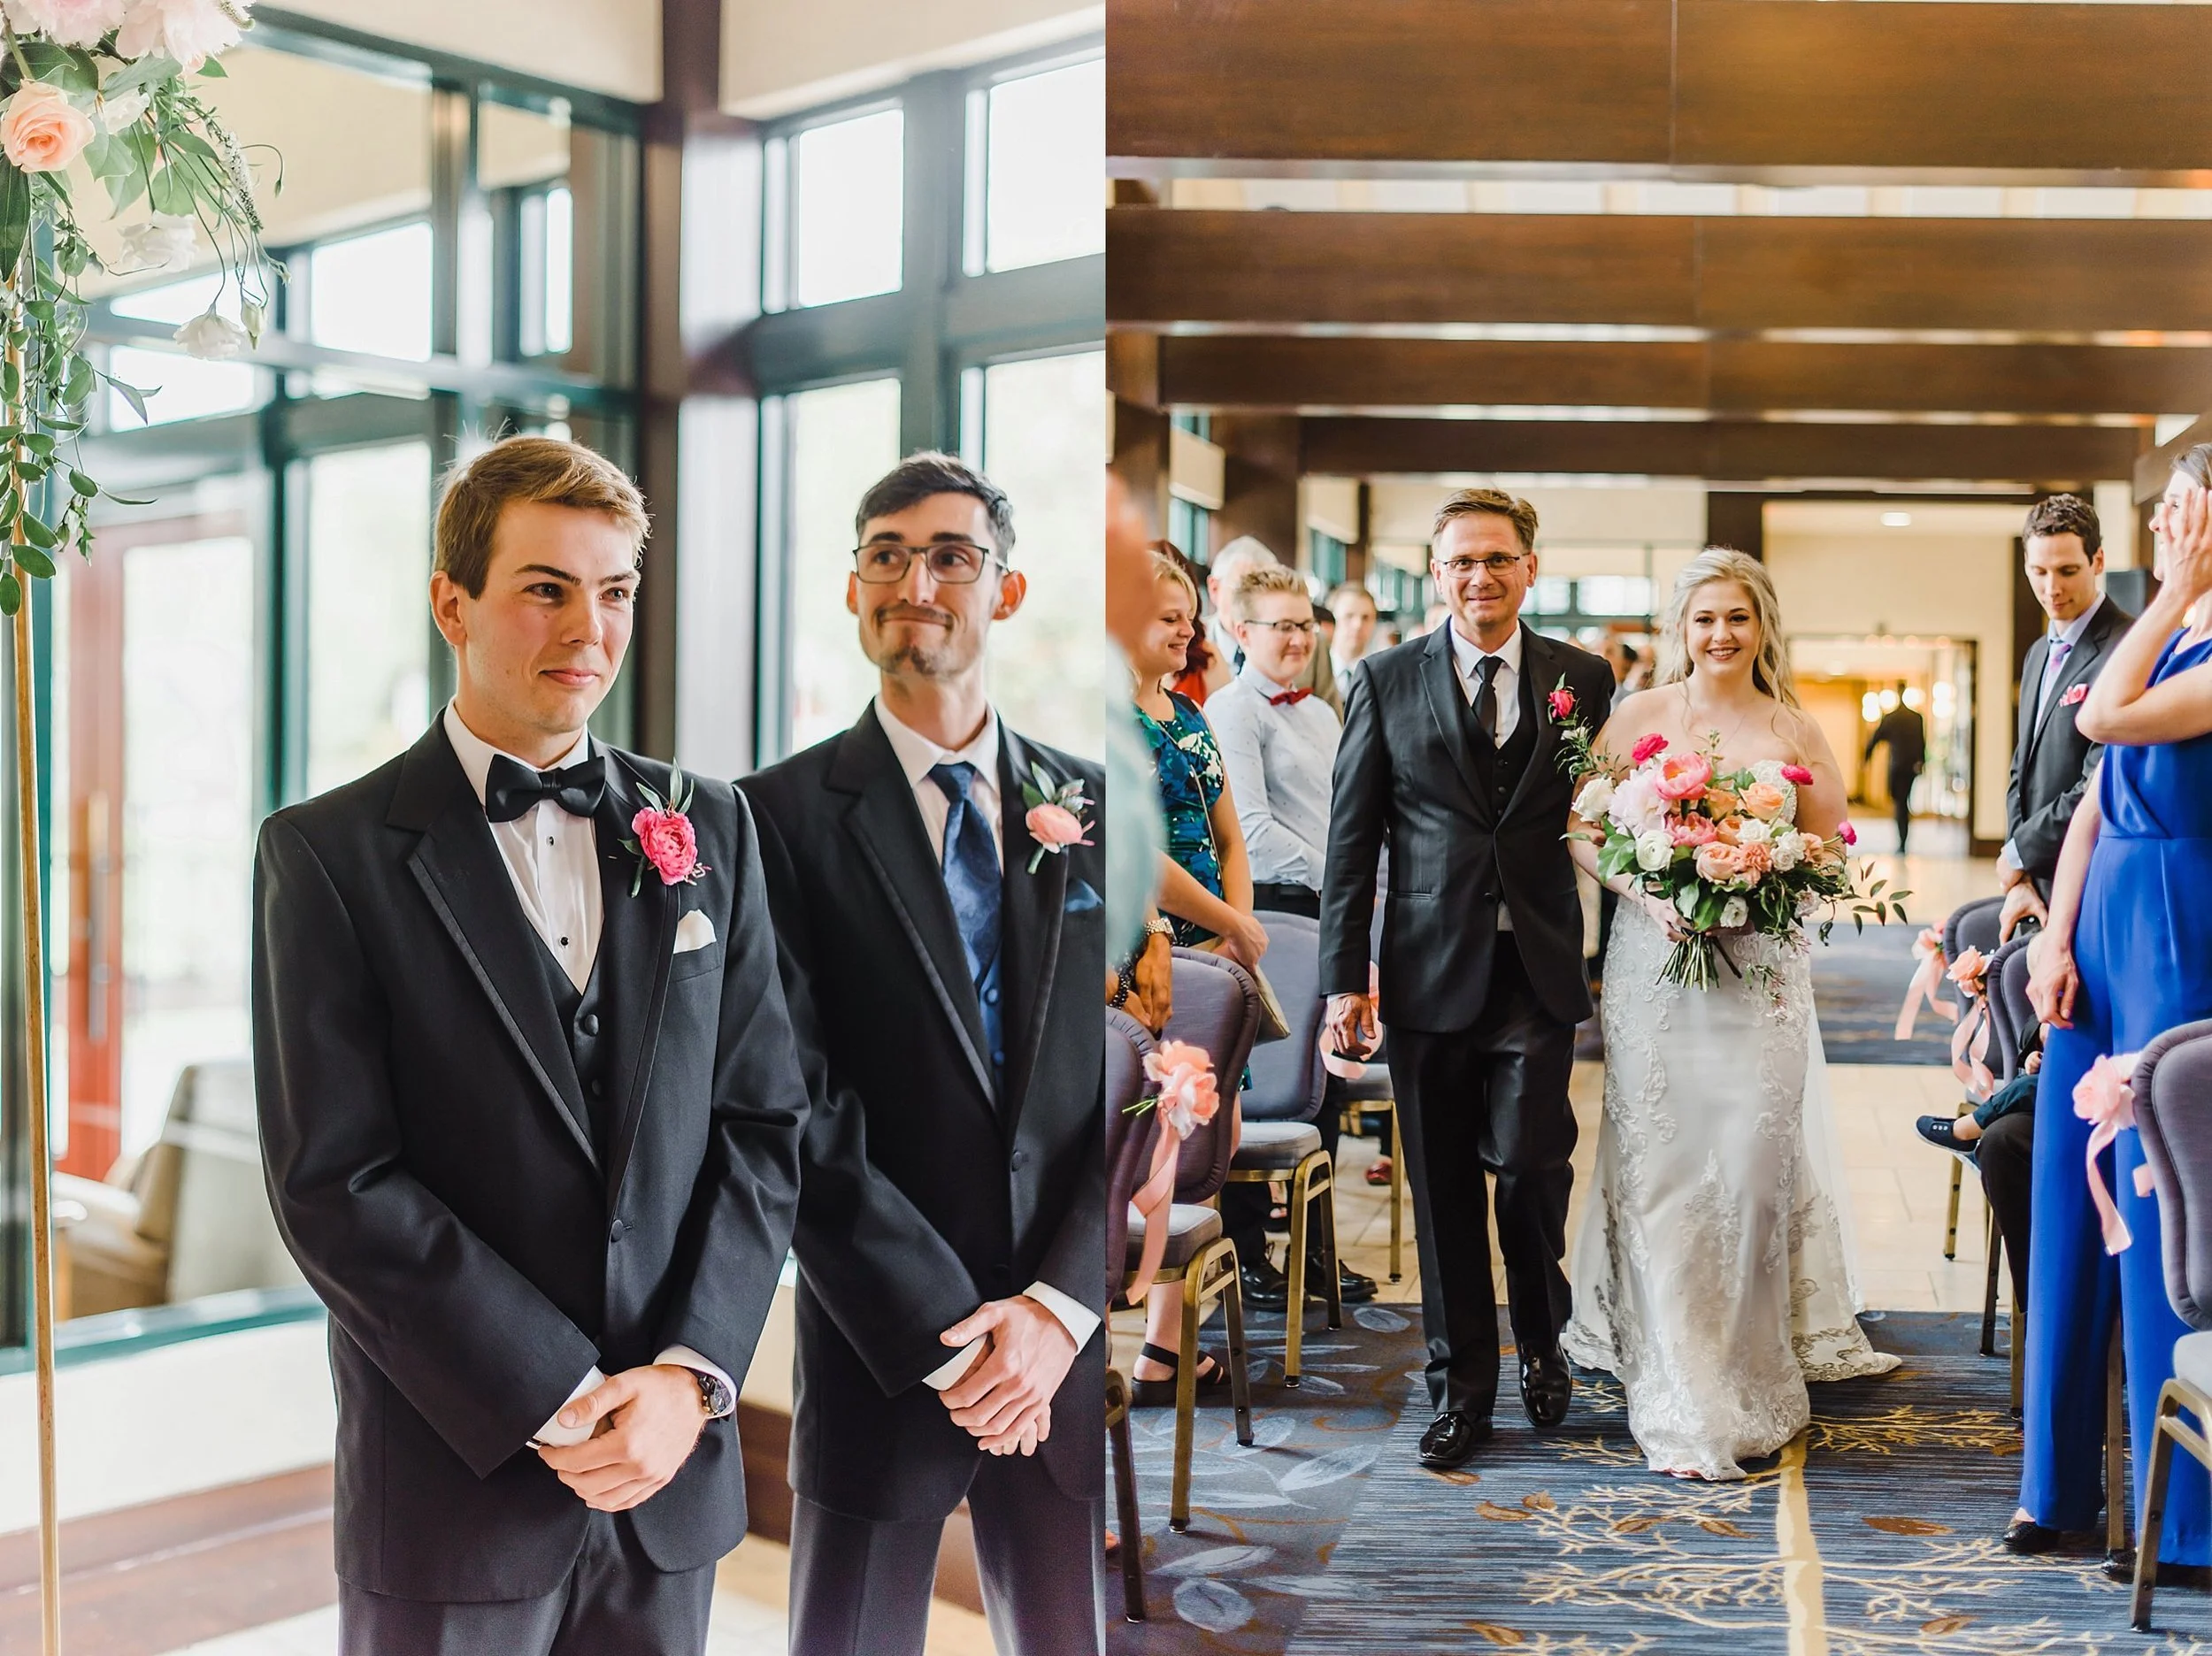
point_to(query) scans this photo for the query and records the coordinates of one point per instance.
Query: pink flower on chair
(1188, 1096)
(2104, 1099)
(1966, 971)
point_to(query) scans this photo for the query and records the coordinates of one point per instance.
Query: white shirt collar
(1261, 682)
(919, 755)
(1468, 653)
(476, 755)
(2070, 633)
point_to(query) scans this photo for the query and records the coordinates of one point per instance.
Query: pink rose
(2105, 1093)
(1683, 776)
(666, 840)
(1847, 834)
(1797, 774)
(1054, 827)
(1720, 861)
(1652, 744)
(1763, 800)
(1189, 1095)
(43, 131)
(1692, 831)
(1562, 703)
(1966, 971)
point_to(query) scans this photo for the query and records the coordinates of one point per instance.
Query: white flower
(1685, 899)
(165, 239)
(1597, 794)
(1735, 912)
(119, 114)
(191, 31)
(1788, 850)
(211, 338)
(67, 22)
(1769, 771)
(1754, 832)
(1653, 850)
(1807, 903)
(1636, 805)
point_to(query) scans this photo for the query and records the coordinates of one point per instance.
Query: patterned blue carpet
(1858, 984)
(1875, 1534)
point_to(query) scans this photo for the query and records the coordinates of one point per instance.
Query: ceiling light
(1896, 520)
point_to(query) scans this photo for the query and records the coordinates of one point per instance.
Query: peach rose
(1764, 800)
(1692, 831)
(1720, 802)
(1189, 1093)
(1729, 829)
(1054, 827)
(1683, 776)
(1758, 859)
(43, 131)
(1720, 861)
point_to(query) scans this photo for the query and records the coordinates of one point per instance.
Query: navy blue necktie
(971, 880)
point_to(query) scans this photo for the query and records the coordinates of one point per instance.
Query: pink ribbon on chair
(1926, 979)
(2104, 1099)
(1970, 1052)
(1187, 1097)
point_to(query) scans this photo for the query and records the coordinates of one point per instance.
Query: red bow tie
(1289, 698)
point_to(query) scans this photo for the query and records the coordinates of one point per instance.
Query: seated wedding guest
(1190, 679)
(1205, 890)
(2053, 764)
(940, 941)
(531, 1112)
(1278, 747)
(1354, 606)
(1228, 568)
(2114, 968)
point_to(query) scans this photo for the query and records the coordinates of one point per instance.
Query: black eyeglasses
(1464, 567)
(949, 562)
(1284, 629)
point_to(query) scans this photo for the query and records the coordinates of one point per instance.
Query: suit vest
(1501, 765)
(580, 1024)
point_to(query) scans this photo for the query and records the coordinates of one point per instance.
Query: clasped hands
(1005, 1398)
(643, 1422)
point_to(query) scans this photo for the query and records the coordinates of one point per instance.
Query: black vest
(1503, 765)
(580, 1021)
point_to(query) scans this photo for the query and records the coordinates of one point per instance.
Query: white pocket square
(695, 930)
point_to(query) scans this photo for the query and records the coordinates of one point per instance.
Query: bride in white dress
(1713, 1272)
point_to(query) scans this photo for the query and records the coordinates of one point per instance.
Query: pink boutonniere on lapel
(666, 843)
(2074, 696)
(1055, 817)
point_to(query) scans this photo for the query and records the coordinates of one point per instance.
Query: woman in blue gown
(2120, 962)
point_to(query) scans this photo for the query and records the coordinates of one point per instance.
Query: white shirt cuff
(684, 1357)
(1079, 1319)
(553, 1435)
(951, 1370)
(2008, 859)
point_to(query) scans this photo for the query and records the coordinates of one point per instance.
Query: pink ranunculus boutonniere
(1055, 819)
(2075, 697)
(666, 843)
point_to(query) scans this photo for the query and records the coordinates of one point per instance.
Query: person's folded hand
(644, 1424)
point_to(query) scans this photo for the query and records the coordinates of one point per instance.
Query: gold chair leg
(1397, 1193)
(1951, 1219)
(2154, 1515)
(1294, 1306)
(1125, 1497)
(1989, 1289)
(1185, 1396)
(2018, 1339)
(1324, 1193)
(1239, 1356)
(2115, 1492)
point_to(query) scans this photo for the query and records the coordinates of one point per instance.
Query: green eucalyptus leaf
(148, 71)
(34, 562)
(170, 192)
(57, 65)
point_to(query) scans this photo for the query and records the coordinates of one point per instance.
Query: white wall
(611, 46)
(783, 55)
(1838, 571)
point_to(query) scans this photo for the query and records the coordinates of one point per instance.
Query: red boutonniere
(1563, 702)
(2075, 697)
(664, 841)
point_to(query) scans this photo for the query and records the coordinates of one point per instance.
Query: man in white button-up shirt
(531, 1110)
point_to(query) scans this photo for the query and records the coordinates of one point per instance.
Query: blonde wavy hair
(1770, 668)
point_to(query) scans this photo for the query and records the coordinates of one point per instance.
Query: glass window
(1044, 436)
(1615, 595)
(368, 620)
(1190, 530)
(371, 293)
(1554, 594)
(848, 214)
(1047, 155)
(177, 387)
(842, 439)
(177, 301)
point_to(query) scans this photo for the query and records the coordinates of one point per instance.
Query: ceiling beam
(1694, 87)
(1166, 265)
(1734, 376)
(1722, 450)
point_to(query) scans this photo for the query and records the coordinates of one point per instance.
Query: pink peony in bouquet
(1722, 848)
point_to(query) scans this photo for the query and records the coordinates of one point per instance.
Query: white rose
(1807, 903)
(1735, 912)
(1754, 832)
(119, 114)
(211, 338)
(1789, 850)
(1653, 850)
(165, 239)
(1596, 795)
(1637, 806)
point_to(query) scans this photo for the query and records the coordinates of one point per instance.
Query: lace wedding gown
(1713, 1272)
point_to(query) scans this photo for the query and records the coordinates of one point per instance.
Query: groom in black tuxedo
(942, 953)
(1451, 753)
(531, 1113)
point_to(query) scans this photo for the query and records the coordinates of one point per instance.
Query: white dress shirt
(553, 859)
(1505, 683)
(1280, 761)
(918, 755)
(2066, 639)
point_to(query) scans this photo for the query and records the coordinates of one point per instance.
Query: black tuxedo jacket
(427, 1153)
(925, 1192)
(1405, 773)
(2050, 759)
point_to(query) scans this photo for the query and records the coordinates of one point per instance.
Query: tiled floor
(749, 1601)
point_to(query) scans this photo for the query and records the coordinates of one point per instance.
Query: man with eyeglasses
(936, 881)
(1450, 752)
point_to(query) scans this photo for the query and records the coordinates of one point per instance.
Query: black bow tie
(513, 787)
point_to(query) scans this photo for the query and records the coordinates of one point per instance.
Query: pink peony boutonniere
(1055, 817)
(2074, 696)
(664, 841)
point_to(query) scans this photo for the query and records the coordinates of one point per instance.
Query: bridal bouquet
(1722, 846)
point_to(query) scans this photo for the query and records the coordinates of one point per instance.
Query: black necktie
(513, 787)
(1486, 696)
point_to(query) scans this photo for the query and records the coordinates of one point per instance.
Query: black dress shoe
(1265, 1288)
(2027, 1537)
(1351, 1287)
(2119, 1564)
(2120, 1567)
(1547, 1386)
(1451, 1438)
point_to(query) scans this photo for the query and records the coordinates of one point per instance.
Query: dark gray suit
(2050, 759)
(431, 1153)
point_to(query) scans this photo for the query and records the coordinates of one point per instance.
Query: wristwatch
(714, 1395)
